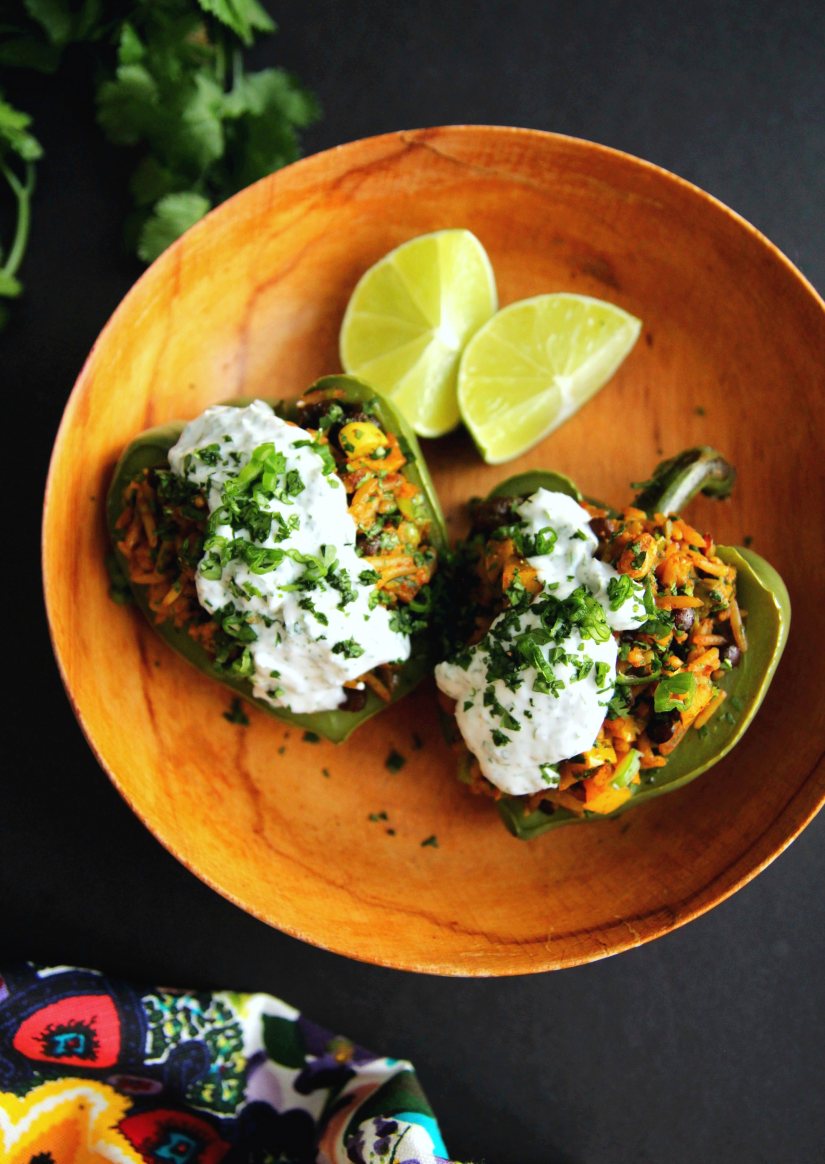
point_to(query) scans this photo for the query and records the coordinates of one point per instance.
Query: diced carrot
(374, 683)
(707, 660)
(365, 503)
(710, 710)
(717, 569)
(389, 566)
(607, 800)
(689, 534)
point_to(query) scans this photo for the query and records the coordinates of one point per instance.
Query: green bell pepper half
(150, 451)
(760, 590)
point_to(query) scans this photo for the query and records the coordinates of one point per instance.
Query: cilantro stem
(237, 67)
(22, 192)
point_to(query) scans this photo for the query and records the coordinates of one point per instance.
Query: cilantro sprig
(171, 86)
(19, 151)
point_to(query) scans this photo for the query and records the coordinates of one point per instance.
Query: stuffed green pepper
(287, 549)
(607, 659)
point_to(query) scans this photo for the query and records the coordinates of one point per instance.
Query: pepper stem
(675, 481)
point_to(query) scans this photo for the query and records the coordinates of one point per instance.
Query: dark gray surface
(704, 1046)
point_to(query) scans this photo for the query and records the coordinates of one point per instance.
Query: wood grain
(249, 302)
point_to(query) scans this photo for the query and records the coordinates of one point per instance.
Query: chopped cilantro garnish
(340, 580)
(430, 843)
(307, 604)
(234, 623)
(243, 665)
(348, 648)
(209, 454)
(619, 704)
(236, 713)
(394, 761)
(551, 686)
(549, 775)
(586, 613)
(293, 483)
(504, 716)
(404, 621)
(526, 544)
(334, 415)
(286, 526)
(324, 452)
(619, 590)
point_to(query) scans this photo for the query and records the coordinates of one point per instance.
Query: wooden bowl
(249, 302)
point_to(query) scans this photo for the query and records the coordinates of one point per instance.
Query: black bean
(662, 726)
(354, 699)
(310, 412)
(547, 807)
(731, 654)
(681, 650)
(486, 516)
(683, 618)
(604, 528)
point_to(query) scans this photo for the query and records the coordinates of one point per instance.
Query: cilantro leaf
(128, 108)
(170, 86)
(54, 17)
(171, 216)
(16, 144)
(10, 287)
(244, 17)
(14, 135)
(263, 112)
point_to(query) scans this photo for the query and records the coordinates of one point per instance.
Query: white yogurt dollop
(521, 718)
(313, 616)
(571, 562)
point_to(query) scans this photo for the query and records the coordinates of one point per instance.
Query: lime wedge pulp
(409, 319)
(534, 364)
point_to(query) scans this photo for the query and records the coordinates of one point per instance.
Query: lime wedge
(409, 318)
(534, 364)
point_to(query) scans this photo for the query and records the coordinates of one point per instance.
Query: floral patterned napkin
(97, 1070)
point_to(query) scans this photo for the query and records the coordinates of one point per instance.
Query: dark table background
(704, 1046)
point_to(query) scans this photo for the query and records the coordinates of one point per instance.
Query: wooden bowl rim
(778, 834)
